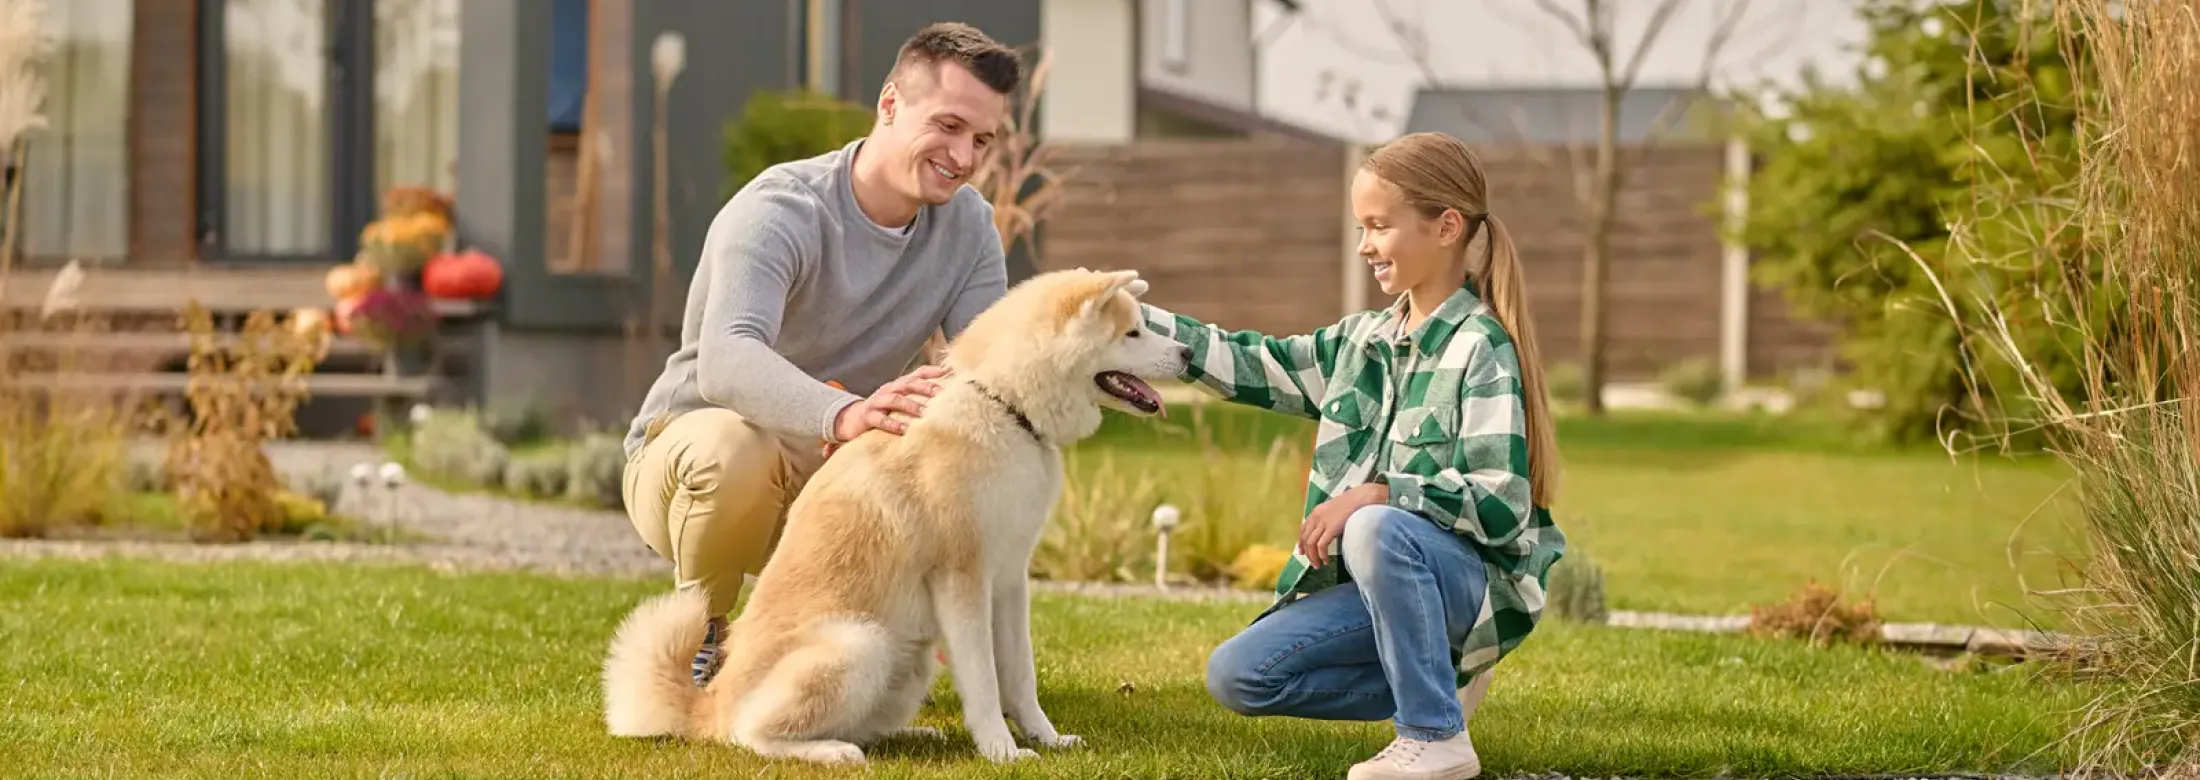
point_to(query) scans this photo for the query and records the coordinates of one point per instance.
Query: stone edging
(1929, 637)
(2009, 642)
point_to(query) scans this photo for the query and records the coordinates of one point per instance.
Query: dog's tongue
(1144, 391)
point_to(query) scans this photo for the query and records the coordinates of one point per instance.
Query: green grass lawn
(129, 669)
(1710, 513)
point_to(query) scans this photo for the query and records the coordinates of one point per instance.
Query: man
(820, 274)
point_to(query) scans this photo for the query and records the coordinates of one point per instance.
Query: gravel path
(473, 532)
(463, 531)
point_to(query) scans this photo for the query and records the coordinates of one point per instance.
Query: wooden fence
(1255, 234)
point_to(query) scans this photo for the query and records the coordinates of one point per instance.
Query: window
(1176, 34)
(416, 94)
(77, 177)
(569, 27)
(275, 76)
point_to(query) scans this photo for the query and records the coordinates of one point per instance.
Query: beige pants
(709, 492)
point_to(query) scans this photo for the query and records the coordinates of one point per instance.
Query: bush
(325, 485)
(1851, 205)
(517, 423)
(453, 445)
(537, 475)
(1576, 590)
(1259, 566)
(1102, 529)
(781, 126)
(593, 471)
(60, 461)
(1233, 504)
(1816, 614)
(1565, 382)
(242, 394)
(1694, 380)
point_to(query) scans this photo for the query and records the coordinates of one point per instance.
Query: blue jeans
(1376, 647)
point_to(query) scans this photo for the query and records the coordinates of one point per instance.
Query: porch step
(224, 290)
(328, 385)
(161, 345)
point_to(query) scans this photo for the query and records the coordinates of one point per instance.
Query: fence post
(1734, 271)
(1354, 269)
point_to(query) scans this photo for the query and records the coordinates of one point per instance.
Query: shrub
(325, 485)
(1576, 590)
(1817, 614)
(1235, 503)
(517, 423)
(240, 396)
(1259, 566)
(1694, 380)
(594, 467)
(453, 445)
(61, 458)
(1102, 528)
(1851, 205)
(537, 475)
(1565, 382)
(780, 126)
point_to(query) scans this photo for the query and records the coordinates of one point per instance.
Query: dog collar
(1021, 420)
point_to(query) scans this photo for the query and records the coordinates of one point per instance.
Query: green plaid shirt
(1435, 413)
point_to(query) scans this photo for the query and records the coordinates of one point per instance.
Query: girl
(1421, 558)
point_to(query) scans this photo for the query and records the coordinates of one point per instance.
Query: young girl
(1421, 558)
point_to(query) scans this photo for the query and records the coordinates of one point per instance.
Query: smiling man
(820, 274)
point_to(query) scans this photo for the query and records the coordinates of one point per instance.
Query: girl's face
(1405, 249)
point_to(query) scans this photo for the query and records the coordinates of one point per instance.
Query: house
(1123, 70)
(230, 151)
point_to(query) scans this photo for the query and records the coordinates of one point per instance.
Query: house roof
(1559, 114)
(1214, 113)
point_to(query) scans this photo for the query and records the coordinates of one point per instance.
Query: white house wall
(1215, 61)
(1338, 66)
(1091, 93)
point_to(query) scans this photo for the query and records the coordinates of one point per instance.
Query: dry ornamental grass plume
(1007, 173)
(2124, 238)
(25, 43)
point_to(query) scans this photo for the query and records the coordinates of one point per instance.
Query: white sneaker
(1413, 759)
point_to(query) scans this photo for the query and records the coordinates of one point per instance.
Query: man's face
(943, 122)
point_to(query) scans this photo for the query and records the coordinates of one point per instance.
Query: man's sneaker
(708, 659)
(1413, 759)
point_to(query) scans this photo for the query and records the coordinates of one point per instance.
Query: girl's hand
(1326, 523)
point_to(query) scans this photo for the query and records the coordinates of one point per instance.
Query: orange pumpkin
(470, 275)
(347, 281)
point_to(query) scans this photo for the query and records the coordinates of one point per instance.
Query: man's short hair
(994, 65)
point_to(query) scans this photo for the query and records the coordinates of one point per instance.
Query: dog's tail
(648, 689)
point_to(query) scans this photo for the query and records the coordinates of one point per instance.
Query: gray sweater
(797, 287)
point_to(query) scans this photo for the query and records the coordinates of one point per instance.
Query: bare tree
(1591, 24)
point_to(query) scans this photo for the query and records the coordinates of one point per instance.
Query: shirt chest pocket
(1423, 438)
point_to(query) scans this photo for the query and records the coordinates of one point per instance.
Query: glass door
(285, 136)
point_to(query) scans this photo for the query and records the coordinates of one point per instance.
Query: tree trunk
(1596, 257)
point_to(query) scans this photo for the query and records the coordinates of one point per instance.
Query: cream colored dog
(901, 541)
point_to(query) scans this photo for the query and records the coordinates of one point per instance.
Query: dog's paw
(1061, 742)
(1007, 753)
(831, 753)
(919, 732)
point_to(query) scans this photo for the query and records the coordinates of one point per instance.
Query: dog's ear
(1117, 281)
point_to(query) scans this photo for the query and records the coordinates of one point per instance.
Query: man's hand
(906, 395)
(1326, 522)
